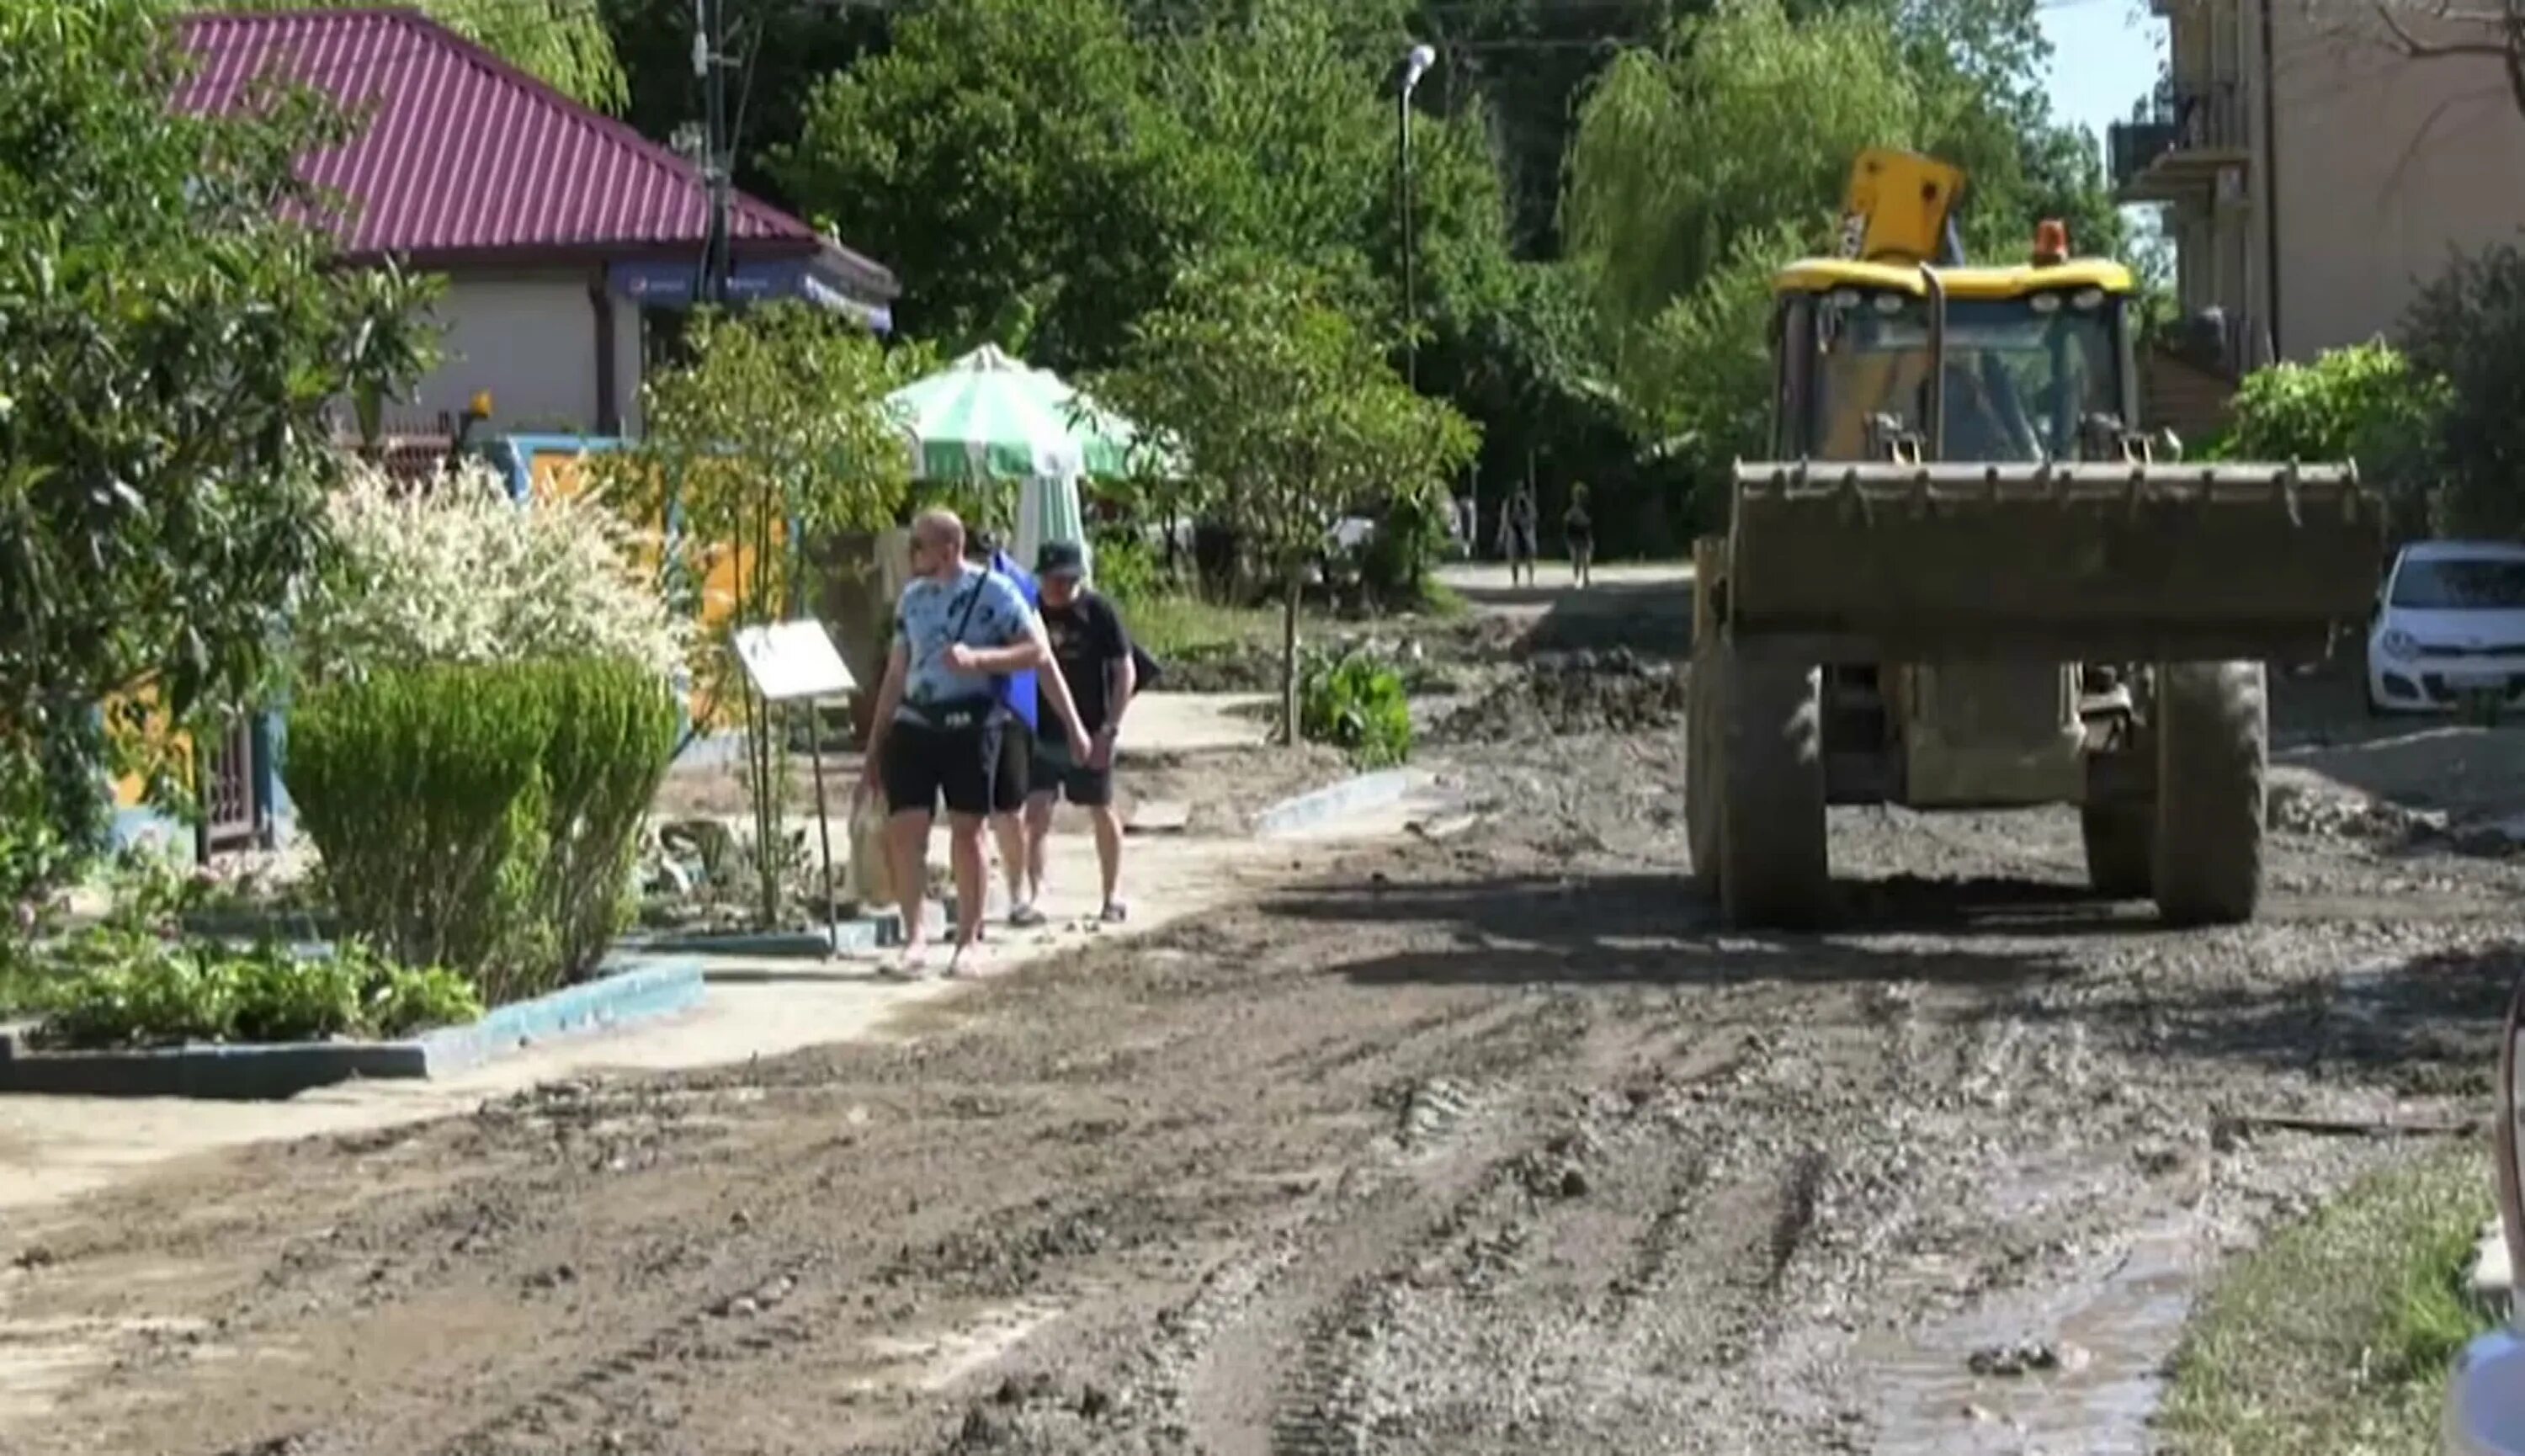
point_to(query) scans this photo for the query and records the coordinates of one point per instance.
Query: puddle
(2115, 1330)
(934, 1363)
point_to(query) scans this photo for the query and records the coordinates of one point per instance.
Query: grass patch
(1175, 624)
(2334, 1336)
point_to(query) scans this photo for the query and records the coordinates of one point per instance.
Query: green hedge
(480, 817)
(134, 992)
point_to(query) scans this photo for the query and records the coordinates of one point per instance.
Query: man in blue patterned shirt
(941, 714)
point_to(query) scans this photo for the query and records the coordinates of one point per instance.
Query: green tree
(1007, 158)
(562, 42)
(2468, 327)
(780, 50)
(1698, 168)
(169, 345)
(1284, 404)
(775, 434)
(1746, 119)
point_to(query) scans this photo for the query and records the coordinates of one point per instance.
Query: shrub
(614, 732)
(1356, 701)
(421, 790)
(1127, 568)
(2469, 328)
(462, 573)
(136, 991)
(2366, 402)
(482, 817)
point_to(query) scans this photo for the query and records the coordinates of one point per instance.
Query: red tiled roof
(466, 156)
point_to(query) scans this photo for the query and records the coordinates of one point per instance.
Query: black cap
(1060, 559)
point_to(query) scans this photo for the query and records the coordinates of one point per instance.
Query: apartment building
(2318, 161)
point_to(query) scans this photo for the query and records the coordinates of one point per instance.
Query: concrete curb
(859, 934)
(1366, 791)
(271, 1071)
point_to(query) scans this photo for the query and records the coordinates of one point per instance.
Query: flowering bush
(460, 572)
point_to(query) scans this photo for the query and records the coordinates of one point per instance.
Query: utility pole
(710, 68)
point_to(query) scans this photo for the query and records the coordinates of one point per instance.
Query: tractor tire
(1774, 873)
(2214, 731)
(1705, 769)
(2121, 848)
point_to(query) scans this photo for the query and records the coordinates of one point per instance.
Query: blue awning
(673, 284)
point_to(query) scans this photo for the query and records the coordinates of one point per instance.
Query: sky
(2103, 58)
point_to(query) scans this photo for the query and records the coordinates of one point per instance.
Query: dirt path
(1484, 1145)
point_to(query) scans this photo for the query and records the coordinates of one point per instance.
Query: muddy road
(1489, 1144)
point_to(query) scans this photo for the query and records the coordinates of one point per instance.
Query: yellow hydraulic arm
(1896, 207)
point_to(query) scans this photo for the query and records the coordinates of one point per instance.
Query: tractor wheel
(2120, 846)
(1774, 873)
(2213, 728)
(1705, 768)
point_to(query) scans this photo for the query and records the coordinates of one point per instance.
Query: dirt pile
(2332, 811)
(1560, 694)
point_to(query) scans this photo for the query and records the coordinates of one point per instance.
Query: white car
(2448, 624)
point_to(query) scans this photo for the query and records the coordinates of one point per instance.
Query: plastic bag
(871, 869)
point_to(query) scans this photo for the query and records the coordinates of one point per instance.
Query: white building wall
(530, 339)
(2385, 165)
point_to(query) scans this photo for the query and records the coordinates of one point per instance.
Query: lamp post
(1415, 64)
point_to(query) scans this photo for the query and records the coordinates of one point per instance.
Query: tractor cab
(1897, 349)
(2000, 365)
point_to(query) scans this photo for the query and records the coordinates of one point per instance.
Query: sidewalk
(55, 1148)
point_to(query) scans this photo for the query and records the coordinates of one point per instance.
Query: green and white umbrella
(988, 416)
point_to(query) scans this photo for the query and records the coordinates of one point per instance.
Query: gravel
(1489, 1144)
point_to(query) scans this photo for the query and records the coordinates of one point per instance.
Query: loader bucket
(2067, 562)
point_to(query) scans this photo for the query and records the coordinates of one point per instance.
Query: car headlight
(2399, 643)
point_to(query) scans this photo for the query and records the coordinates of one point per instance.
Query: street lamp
(1415, 64)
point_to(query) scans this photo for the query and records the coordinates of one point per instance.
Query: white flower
(458, 572)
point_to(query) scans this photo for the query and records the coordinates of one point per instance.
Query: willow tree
(1744, 120)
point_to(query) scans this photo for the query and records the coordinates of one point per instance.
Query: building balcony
(2177, 149)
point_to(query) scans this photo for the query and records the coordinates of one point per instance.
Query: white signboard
(792, 660)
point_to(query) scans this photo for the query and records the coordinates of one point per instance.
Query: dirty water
(2103, 1338)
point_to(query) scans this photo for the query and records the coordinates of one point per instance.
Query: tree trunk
(1293, 581)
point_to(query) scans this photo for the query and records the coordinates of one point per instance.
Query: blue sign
(673, 284)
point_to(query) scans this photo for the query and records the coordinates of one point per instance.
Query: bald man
(940, 717)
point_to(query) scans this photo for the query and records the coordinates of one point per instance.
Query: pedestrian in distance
(1098, 666)
(1517, 534)
(940, 719)
(1578, 529)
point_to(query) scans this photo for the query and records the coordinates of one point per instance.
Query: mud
(1493, 1144)
(1574, 692)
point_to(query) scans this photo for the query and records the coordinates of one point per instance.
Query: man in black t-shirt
(1094, 653)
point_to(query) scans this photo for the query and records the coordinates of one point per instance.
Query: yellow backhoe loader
(1967, 581)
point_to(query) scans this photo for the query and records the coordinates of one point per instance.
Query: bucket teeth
(1859, 482)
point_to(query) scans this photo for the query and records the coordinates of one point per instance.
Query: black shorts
(1054, 775)
(1008, 775)
(925, 765)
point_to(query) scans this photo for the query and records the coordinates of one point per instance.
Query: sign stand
(790, 662)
